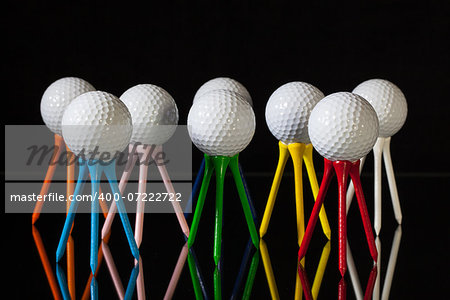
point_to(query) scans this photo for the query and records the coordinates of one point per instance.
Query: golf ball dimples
(221, 123)
(389, 103)
(56, 98)
(288, 110)
(154, 114)
(343, 126)
(224, 83)
(97, 122)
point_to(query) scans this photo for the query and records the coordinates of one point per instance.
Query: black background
(180, 45)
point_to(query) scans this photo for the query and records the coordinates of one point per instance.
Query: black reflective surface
(420, 269)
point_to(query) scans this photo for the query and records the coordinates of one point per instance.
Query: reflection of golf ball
(343, 126)
(288, 110)
(56, 98)
(388, 101)
(224, 83)
(154, 114)
(97, 122)
(221, 123)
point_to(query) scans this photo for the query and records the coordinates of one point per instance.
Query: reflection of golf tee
(354, 274)
(46, 263)
(299, 152)
(389, 272)
(113, 271)
(176, 273)
(196, 276)
(342, 286)
(355, 278)
(305, 285)
(269, 270)
(343, 169)
(137, 270)
(249, 266)
(300, 284)
(251, 273)
(320, 270)
(91, 288)
(381, 151)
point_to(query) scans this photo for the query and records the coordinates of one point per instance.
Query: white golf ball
(224, 83)
(154, 114)
(343, 126)
(221, 123)
(56, 98)
(97, 122)
(288, 110)
(389, 103)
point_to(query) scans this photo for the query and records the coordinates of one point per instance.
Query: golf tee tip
(59, 255)
(301, 254)
(255, 243)
(257, 246)
(262, 233)
(34, 218)
(375, 258)
(343, 270)
(104, 233)
(136, 254)
(93, 267)
(216, 259)
(138, 241)
(377, 229)
(399, 220)
(327, 234)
